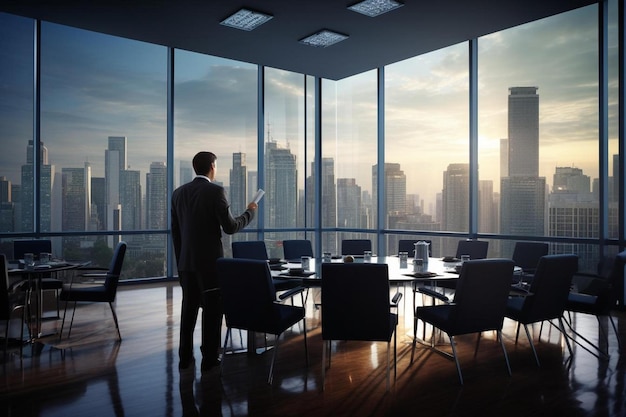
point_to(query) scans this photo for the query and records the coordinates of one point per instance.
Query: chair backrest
(115, 270)
(407, 245)
(476, 249)
(5, 305)
(355, 302)
(248, 293)
(607, 297)
(550, 288)
(481, 295)
(297, 248)
(355, 246)
(527, 254)
(254, 249)
(34, 246)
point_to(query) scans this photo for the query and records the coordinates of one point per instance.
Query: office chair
(355, 306)
(96, 293)
(479, 305)
(250, 302)
(549, 288)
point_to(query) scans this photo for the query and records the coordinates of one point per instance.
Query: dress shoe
(208, 364)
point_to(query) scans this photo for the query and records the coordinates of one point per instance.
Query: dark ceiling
(416, 28)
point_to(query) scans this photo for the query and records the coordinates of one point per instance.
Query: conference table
(33, 276)
(437, 270)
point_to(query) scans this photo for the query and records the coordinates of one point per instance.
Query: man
(200, 211)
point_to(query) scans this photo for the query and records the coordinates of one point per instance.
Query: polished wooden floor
(91, 374)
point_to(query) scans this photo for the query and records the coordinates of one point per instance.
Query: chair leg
(562, 330)
(388, 366)
(619, 345)
(117, 326)
(224, 349)
(271, 375)
(306, 345)
(532, 345)
(477, 344)
(72, 321)
(456, 359)
(506, 356)
(323, 364)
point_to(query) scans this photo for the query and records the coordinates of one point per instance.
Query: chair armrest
(396, 299)
(290, 293)
(433, 293)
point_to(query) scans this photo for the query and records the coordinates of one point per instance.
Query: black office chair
(256, 249)
(355, 246)
(46, 283)
(598, 299)
(476, 249)
(294, 250)
(526, 255)
(104, 292)
(250, 302)
(408, 245)
(549, 288)
(12, 299)
(355, 306)
(479, 305)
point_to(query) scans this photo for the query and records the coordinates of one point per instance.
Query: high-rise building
(348, 203)
(328, 202)
(395, 191)
(98, 198)
(522, 191)
(186, 173)
(46, 175)
(281, 186)
(156, 196)
(238, 186)
(455, 202)
(7, 207)
(76, 198)
(487, 213)
(130, 199)
(523, 130)
(114, 163)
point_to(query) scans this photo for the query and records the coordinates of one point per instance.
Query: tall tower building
(522, 191)
(7, 207)
(98, 198)
(156, 196)
(328, 202)
(238, 186)
(395, 191)
(523, 132)
(281, 186)
(114, 163)
(46, 175)
(348, 203)
(76, 198)
(130, 199)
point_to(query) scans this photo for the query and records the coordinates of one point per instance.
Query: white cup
(306, 262)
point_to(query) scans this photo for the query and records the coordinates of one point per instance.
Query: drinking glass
(367, 256)
(306, 263)
(29, 260)
(404, 258)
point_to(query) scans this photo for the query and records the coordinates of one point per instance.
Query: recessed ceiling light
(246, 19)
(373, 8)
(324, 38)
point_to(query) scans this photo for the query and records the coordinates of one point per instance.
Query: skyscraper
(395, 191)
(114, 163)
(156, 196)
(281, 186)
(348, 203)
(522, 191)
(46, 175)
(238, 186)
(76, 198)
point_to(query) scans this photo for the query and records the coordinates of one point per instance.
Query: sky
(95, 86)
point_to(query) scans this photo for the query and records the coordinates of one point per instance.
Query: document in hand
(258, 196)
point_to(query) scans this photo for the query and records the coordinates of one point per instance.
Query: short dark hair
(202, 162)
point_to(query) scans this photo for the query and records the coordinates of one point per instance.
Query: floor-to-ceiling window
(215, 110)
(427, 146)
(538, 131)
(349, 158)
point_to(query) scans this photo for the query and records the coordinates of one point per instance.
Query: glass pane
(613, 70)
(349, 152)
(427, 142)
(538, 116)
(285, 168)
(103, 133)
(215, 110)
(16, 125)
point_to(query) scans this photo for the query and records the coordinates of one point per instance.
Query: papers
(258, 196)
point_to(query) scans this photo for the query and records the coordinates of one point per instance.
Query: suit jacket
(200, 211)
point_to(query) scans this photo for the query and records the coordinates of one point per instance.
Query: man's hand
(253, 206)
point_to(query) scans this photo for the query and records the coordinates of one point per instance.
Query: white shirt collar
(205, 177)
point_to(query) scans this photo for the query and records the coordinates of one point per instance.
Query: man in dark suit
(200, 211)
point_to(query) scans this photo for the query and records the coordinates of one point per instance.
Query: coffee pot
(421, 251)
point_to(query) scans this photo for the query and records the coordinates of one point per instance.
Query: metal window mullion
(473, 137)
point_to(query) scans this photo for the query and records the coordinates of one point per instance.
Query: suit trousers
(196, 296)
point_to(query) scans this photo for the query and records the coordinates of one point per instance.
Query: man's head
(204, 164)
